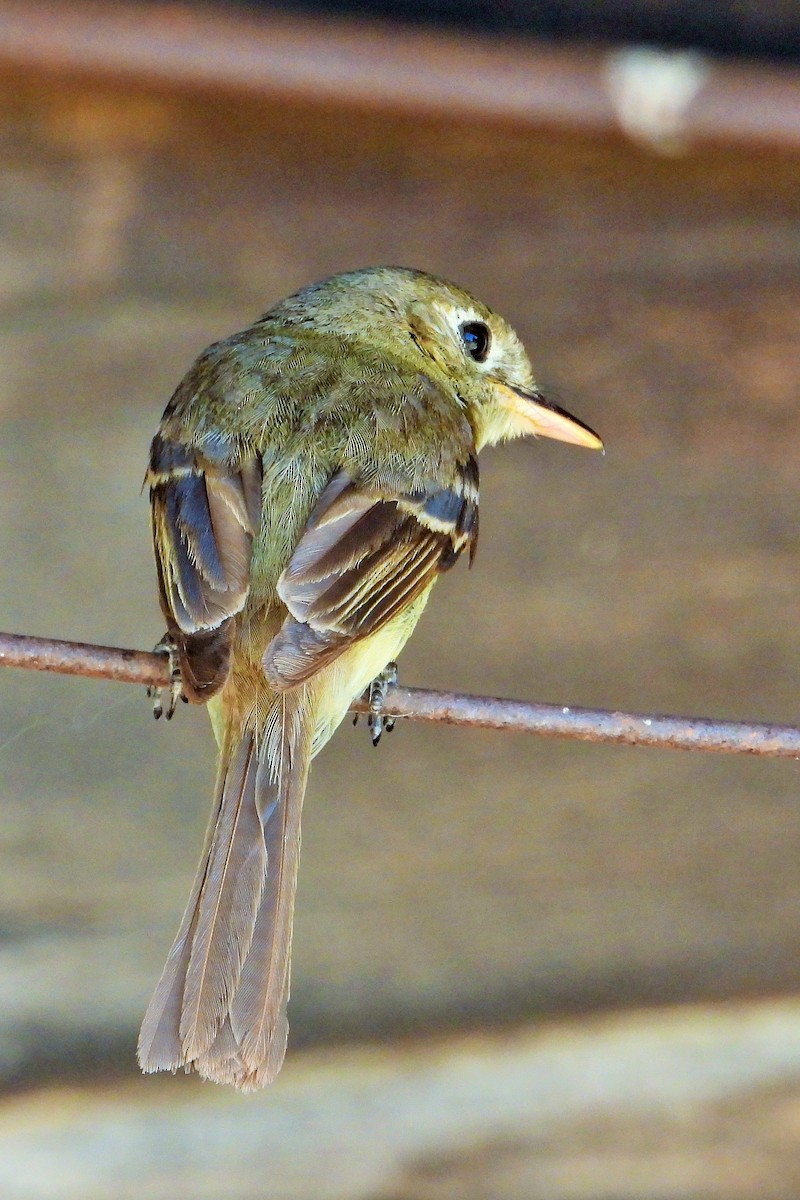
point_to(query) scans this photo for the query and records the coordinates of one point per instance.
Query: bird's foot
(175, 688)
(378, 691)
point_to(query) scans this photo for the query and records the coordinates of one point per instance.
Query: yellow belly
(344, 680)
(329, 694)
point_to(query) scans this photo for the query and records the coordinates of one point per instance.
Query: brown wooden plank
(412, 70)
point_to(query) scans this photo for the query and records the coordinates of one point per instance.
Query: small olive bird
(309, 480)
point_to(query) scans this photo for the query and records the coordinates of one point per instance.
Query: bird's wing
(364, 555)
(205, 514)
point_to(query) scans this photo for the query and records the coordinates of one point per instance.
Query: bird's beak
(531, 413)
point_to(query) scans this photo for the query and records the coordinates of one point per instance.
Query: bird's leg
(378, 691)
(167, 646)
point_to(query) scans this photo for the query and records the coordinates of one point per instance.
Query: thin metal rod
(593, 725)
(79, 658)
(450, 708)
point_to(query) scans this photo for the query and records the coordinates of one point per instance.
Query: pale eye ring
(477, 340)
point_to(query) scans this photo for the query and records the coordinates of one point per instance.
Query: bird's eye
(477, 339)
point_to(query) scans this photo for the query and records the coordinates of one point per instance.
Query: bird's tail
(220, 1005)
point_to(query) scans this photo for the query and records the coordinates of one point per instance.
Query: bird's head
(402, 311)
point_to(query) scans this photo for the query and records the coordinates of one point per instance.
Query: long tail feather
(258, 1012)
(220, 1006)
(160, 1046)
(227, 906)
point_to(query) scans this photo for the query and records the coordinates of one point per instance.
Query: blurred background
(521, 968)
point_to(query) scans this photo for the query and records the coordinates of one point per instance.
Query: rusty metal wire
(451, 708)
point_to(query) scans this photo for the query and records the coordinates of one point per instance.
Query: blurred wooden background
(503, 923)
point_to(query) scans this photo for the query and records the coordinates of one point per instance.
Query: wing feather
(363, 556)
(205, 515)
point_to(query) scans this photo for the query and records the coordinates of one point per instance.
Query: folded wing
(364, 555)
(205, 515)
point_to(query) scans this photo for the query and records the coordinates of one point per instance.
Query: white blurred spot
(651, 91)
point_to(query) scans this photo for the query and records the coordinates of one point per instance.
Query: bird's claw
(175, 687)
(378, 691)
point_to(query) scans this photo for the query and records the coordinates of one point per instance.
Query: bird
(310, 479)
